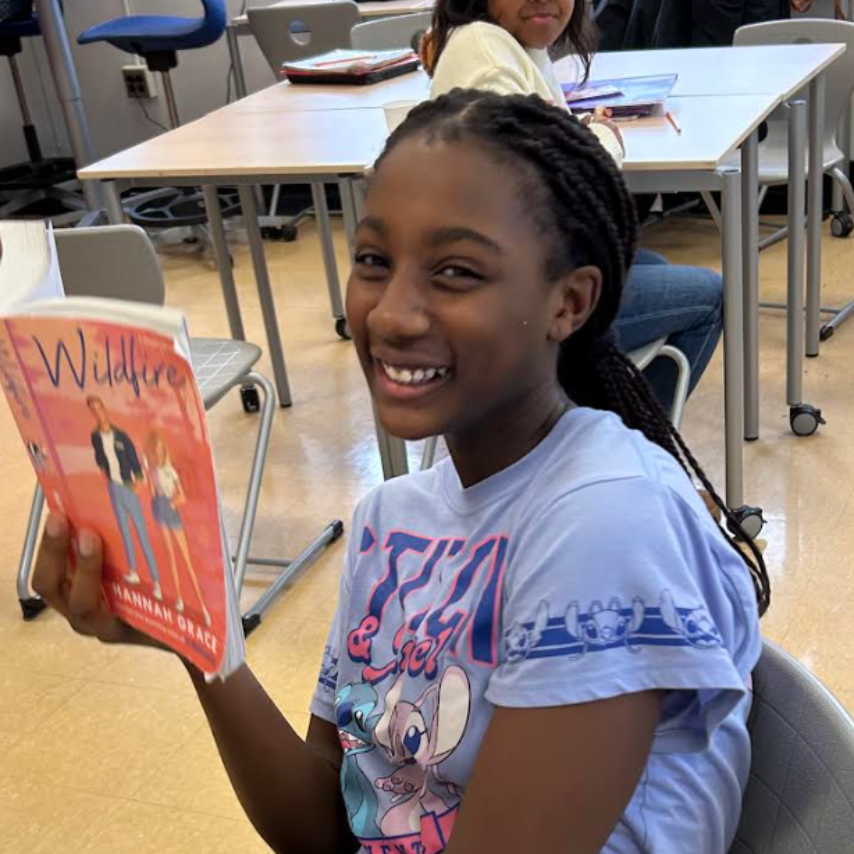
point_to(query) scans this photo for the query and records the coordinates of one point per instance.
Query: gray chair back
(297, 31)
(839, 77)
(390, 33)
(800, 797)
(114, 262)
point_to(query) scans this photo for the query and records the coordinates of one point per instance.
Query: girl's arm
(289, 788)
(556, 779)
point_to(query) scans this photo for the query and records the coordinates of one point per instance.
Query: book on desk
(625, 97)
(351, 67)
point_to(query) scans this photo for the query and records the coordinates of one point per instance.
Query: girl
(167, 496)
(544, 642)
(504, 46)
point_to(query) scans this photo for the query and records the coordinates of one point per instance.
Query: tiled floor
(105, 749)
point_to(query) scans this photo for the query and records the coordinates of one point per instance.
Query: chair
(38, 181)
(773, 150)
(390, 33)
(642, 357)
(157, 39)
(286, 34)
(88, 260)
(800, 796)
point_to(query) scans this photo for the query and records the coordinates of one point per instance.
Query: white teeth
(418, 376)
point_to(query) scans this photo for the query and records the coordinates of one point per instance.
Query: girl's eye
(370, 260)
(456, 272)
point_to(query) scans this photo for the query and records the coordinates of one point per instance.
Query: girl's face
(455, 324)
(534, 23)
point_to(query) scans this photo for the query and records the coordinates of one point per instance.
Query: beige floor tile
(106, 739)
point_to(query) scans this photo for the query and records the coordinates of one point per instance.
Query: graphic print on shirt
(610, 626)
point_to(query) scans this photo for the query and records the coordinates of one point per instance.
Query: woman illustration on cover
(167, 496)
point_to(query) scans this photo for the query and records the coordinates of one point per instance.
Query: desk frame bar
(232, 35)
(814, 213)
(750, 243)
(797, 224)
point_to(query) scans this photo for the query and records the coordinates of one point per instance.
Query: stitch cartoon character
(519, 639)
(417, 746)
(354, 704)
(602, 627)
(696, 627)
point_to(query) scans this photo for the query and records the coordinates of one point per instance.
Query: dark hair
(579, 35)
(585, 212)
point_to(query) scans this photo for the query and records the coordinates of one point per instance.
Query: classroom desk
(783, 70)
(234, 146)
(239, 26)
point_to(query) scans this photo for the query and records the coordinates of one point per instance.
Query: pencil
(672, 121)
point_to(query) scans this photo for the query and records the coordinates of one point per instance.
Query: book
(106, 402)
(352, 67)
(625, 97)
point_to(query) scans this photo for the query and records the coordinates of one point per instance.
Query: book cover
(115, 428)
(626, 95)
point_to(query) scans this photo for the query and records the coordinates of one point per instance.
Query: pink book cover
(114, 426)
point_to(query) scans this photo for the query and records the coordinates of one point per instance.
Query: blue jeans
(683, 304)
(127, 510)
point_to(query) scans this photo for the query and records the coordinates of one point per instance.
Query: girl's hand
(73, 588)
(602, 116)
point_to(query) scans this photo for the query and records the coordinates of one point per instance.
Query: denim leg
(134, 508)
(647, 256)
(683, 305)
(120, 512)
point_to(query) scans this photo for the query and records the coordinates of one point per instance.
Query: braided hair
(581, 204)
(578, 37)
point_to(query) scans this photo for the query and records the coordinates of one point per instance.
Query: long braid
(581, 203)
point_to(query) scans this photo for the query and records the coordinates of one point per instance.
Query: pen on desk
(669, 116)
(344, 60)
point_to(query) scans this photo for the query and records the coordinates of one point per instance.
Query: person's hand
(73, 586)
(602, 116)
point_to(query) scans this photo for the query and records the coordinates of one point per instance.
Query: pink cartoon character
(417, 748)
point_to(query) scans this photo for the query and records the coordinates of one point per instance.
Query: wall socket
(139, 81)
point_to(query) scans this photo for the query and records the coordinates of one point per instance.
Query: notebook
(625, 97)
(351, 67)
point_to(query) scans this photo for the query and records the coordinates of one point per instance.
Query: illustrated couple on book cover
(116, 456)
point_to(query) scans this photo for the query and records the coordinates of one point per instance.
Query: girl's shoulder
(486, 40)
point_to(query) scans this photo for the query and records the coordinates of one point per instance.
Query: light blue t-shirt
(588, 569)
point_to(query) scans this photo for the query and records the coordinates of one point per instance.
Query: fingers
(84, 596)
(52, 562)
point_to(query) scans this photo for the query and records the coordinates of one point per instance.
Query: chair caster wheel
(751, 520)
(826, 333)
(289, 233)
(250, 399)
(32, 607)
(805, 419)
(841, 225)
(343, 328)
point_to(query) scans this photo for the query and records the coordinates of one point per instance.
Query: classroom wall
(115, 121)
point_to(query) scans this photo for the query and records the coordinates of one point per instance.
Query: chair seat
(20, 29)
(219, 363)
(151, 33)
(774, 156)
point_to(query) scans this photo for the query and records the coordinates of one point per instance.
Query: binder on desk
(351, 67)
(625, 97)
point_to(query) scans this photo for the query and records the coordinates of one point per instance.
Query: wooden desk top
(775, 69)
(372, 9)
(235, 144)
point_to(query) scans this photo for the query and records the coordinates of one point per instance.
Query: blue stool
(38, 179)
(158, 38)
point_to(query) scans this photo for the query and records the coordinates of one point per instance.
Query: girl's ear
(576, 297)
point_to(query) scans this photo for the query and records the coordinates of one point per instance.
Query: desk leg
(327, 246)
(233, 38)
(392, 450)
(733, 336)
(265, 293)
(814, 215)
(113, 203)
(750, 247)
(795, 296)
(223, 263)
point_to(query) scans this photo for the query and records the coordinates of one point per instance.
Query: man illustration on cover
(116, 456)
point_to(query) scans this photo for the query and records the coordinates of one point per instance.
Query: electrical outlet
(139, 81)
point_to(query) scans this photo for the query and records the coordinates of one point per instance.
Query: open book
(352, 67)
(106, 402)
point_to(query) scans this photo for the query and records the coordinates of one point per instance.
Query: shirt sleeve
(623, 587)
(610, 142)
